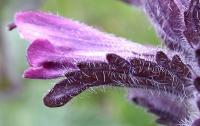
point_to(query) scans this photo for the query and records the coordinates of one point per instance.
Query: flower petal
(46, 62)
(70, 35)
(41, 51)
(43, 73)
(63, 42)
(49, 70)
(44, 57)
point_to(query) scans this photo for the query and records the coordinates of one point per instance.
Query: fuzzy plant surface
(166, 80)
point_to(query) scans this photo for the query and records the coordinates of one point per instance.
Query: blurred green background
(21, 99)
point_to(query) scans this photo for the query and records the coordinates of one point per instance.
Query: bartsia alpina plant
(164, 80)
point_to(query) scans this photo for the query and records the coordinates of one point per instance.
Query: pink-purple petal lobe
(43, 73)
(46, 62)
(41, 51)
(71, 35)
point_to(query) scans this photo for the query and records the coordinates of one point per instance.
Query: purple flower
(164, 80)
